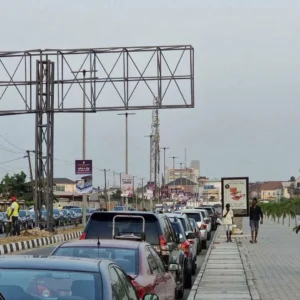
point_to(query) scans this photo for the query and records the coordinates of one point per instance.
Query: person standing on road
(15, 216)
(256, 216)
(228, 221)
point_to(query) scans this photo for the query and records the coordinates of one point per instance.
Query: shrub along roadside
(286, 208)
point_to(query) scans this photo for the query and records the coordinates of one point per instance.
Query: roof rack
(129, 236)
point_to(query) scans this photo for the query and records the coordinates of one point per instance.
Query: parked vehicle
(25, 219)
(199, 218)
(3, 221)
(197, 234)
(138, 259)
(207, 221)
(58, 217)
(189, 234)
(66, 216)
(158, 232)
(32, 216)
(212, 214)
(40, 277)
(187, 248)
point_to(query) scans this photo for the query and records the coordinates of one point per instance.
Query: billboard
(164, 192)
(84, 176)
(235, 193)
(126, 185)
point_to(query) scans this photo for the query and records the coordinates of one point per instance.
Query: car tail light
(83, 236)
(185, 247)
(203, 226)
(191, 241)
(141, 290)
(163, 243)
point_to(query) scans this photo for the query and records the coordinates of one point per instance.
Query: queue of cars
(61, 217)
(120, 255)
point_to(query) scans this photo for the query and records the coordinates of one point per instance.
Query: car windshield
(127, 259)
(56, 211)
(77, 210)
(118, 208)
(100, 226)
(195, 216)
(22, 213)
(4, 216)
(39, 284)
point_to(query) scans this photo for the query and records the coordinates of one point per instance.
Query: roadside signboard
(126, 186)
(235, 193)
(84, 176)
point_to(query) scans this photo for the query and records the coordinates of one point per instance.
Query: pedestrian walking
(256, 217)
(8, 226)
(228, 221)
(15, 216)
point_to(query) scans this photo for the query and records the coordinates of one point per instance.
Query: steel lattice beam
(132, 67)
(38, 77)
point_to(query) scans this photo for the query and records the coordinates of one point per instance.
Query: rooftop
(63, 181)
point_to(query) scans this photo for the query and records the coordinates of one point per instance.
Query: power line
(4, 162)
(12, 143)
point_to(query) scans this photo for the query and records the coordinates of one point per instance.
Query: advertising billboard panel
(84, 176)
(235, 193)
(126, 186)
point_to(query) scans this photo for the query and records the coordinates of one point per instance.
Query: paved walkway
(274, 261)
(223, 275)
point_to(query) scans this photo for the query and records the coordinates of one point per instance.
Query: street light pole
(150, 136)
(174, 157)
(126, 144)
(84, 196)
(165, 148)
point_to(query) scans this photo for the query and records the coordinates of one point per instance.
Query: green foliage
(16, 185)
(284, 208)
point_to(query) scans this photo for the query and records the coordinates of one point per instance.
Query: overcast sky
(247, 73)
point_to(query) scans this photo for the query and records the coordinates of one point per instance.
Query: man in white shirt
(228, 221)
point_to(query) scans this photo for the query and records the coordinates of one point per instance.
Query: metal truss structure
(155, 148)
(48, 82)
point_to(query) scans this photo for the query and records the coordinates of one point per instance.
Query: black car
(212, 214)
(64, 278)
(185, 246)
(158, 232)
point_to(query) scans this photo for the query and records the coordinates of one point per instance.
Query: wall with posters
(235, 193)
(84, 176)
(126, 186)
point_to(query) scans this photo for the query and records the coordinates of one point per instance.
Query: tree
(16, 185)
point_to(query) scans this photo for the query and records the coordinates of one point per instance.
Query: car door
(121, 290)
(155, 273)
(168, 278)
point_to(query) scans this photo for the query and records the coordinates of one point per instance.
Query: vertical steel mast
(155, 149)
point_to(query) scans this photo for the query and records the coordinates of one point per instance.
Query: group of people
(255, 217)
(12, 213)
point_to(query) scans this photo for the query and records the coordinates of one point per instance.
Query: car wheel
(204, 244)
(180, 293)
(188, 281)
(194, 268)
(209, 236)
(2, 229)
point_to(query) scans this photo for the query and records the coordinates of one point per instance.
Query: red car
(138, 259)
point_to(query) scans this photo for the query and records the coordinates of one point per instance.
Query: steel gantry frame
(42, 79)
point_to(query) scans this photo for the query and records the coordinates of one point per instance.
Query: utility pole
(84, 196)
(150, 174)
(31, 180)
(121, 199)
(143, 199)
(174, 158)
(165, 148)
(105, 186)
(126, 144)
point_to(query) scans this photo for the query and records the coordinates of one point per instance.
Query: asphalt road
(48, 249)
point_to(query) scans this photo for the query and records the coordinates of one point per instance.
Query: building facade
(211, 191)
(188, 173)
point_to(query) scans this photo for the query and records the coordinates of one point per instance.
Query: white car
(207, 221)
(197, 215)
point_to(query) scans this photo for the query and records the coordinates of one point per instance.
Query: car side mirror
(191, 235)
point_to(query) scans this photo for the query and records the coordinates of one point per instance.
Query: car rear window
(209, 210)
(127, 259)
(195, 216)
(184, 225)
(176, 227)
(100, 226)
